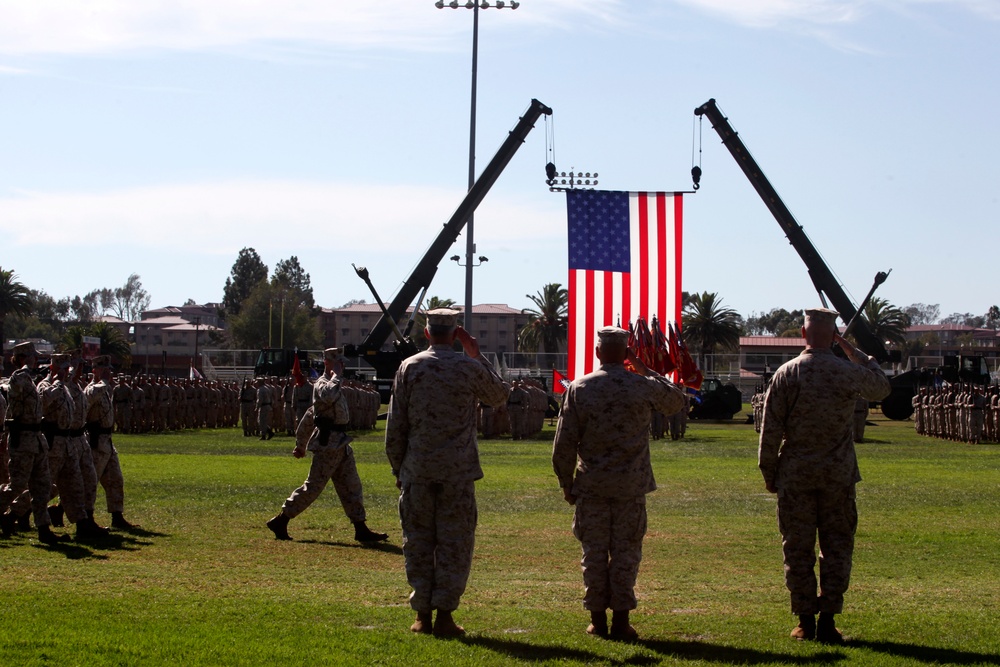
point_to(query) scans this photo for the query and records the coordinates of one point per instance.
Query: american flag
(624, 262)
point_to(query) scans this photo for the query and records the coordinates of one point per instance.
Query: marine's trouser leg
(610, 531)
(439, 527)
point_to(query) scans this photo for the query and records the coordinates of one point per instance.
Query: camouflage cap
(824, 315)
(102, 361)
(26, 347)
(443, 317)
(60, 360)
(333, 353)
(612, 335)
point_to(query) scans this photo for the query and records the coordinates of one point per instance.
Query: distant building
(495, 325)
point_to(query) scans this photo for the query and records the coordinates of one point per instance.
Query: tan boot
(423, 624)
(445, 626)
(806, 629)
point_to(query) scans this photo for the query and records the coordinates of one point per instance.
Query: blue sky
(162, 137)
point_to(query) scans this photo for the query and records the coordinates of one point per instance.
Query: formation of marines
(273, 405)
(154, 404)
(962, 412)
(521, 416)
(57, 444)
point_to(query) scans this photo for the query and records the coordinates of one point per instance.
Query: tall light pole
(470, 244)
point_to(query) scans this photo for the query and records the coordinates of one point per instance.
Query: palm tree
(14, 298)
(887, 322)
(548, 323)
(709, 326)
(113, 342)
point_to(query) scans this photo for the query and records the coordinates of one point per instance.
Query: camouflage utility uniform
(807, 454)
(601, 455)
(431, 444)
(322, 432)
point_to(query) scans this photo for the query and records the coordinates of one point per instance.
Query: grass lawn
(204, 582)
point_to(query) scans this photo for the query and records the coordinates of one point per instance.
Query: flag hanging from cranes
(624, 263)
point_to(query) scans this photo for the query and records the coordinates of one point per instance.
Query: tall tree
(248, 271)
(290, 275)
(922, 313)
(887, 322)
(709, 326)
(776, 322)
(547, 325)
(14, 299)
(262, 322)
(129, 300)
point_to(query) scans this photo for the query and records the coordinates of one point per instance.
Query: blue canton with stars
(598, 230)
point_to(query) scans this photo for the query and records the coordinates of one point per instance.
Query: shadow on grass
(677, 650)
(928, 654)
(693, 650)
(386, 547)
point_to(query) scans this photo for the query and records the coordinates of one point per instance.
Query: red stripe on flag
(661, 255)
(626, 300)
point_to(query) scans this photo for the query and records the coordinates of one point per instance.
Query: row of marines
(58, 441)
(145, 404)
(271, 404)
(962, 412)
(523, 414)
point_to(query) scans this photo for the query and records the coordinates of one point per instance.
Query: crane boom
(820, 274)
(386, 363)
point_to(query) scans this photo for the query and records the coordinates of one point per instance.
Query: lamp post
(197, 322)
(470, 245)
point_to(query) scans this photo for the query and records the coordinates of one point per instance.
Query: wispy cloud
(74, 27)
(222, 216)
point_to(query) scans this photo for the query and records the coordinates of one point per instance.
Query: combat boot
(56, 515)
(806, 629)
(7, 525)
(620, 628)
(598, 624)
(46, 536)
(424, 623)
(279, 526)
(445, 626)
(119, 522)
(364, 534)
(87, 529)
(826, 630)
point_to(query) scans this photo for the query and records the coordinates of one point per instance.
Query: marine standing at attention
(601, 458)
(430, 440)
(807, 458)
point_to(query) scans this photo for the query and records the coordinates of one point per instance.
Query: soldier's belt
(21, 427)
(76, 432)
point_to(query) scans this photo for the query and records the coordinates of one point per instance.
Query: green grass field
(204, 582)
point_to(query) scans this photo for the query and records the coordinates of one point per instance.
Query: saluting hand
(469, 344)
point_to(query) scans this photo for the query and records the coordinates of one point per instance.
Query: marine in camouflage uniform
(807, 458)
(78, 441)
(322, 430)
(263, 408)
(29, 460)
(430, 441)
(100, 423)
(601, 458)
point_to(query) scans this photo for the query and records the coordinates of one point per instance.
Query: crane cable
(696, 166)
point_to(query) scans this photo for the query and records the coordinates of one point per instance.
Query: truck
(898, 405)
(391, 323)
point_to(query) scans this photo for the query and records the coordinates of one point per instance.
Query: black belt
(76, 432)
(13, 426)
